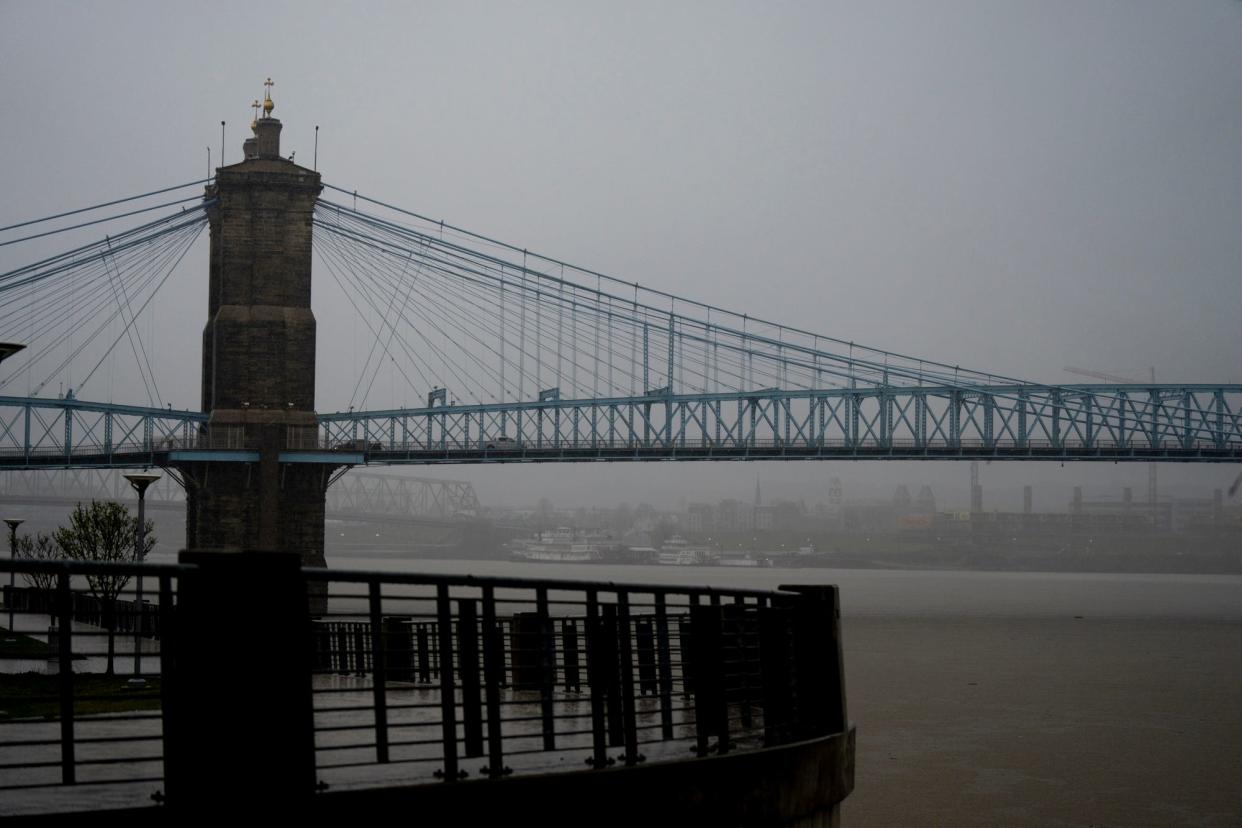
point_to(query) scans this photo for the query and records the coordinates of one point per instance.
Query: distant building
(925, 503)
(700, 517)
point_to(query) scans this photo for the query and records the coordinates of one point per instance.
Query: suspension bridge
(513, 356)
(525, 358)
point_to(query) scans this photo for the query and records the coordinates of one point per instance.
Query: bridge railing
(321, 681)
(1182, 423)
(216, 439)
(217, 442)
(508, 448)
(1190, 422)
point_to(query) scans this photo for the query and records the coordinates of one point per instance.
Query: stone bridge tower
(258, 488)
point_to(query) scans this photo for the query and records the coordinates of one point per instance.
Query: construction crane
(1084, 372)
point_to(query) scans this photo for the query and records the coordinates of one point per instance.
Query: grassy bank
(33, 695)
(17, 645)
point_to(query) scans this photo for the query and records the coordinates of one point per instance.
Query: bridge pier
(254, 486)
(265, 506)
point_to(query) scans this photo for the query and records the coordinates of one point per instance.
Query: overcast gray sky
(1011, 186)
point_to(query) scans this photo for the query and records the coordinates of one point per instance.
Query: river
(1013, 698)
(901, 592)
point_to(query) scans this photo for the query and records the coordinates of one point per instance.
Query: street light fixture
(140, 481)
(8, 599)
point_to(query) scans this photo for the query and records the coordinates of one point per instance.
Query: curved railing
(434, 673)
(351, 680)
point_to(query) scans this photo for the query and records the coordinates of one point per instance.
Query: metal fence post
(645, 652)
(448, 702)
(424, 654)
(493, 671)
(64, 640)
(248, 614)
(379, 672)
(776, 673)
(610, 674)
(819, 684)
(596, 679)
(468, 668)
(569, 650)
(711, 712)
(625, 681)
(547, 668)
(168, 658)
(398, 648)
(666, 667)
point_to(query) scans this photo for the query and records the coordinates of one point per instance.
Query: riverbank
(1045, 721)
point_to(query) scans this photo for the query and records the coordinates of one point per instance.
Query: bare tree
(104, 532)
(42, 547)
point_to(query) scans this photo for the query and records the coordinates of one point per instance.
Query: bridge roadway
(1163, 423)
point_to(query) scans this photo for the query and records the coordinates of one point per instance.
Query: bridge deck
(1192, 423)
(658, 453)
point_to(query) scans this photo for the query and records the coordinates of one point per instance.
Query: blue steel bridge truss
(37, 433)
(1195, 423)
(1182, 423)
(525, 358)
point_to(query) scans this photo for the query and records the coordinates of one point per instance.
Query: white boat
(557, 546)
(676, 551)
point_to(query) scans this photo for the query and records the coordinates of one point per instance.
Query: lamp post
(140, 481)
(8, 599)
(7, 349)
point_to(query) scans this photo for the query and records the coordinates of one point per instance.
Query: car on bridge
(503, 443)
(358, 444)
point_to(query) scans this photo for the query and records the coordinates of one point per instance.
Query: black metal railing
(363, 679)
(81, 716)
(432, 673)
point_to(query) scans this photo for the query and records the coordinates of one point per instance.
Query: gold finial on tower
(268, 106)
(254, 123)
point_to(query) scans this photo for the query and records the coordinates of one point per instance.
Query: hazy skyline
(1015, 187)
